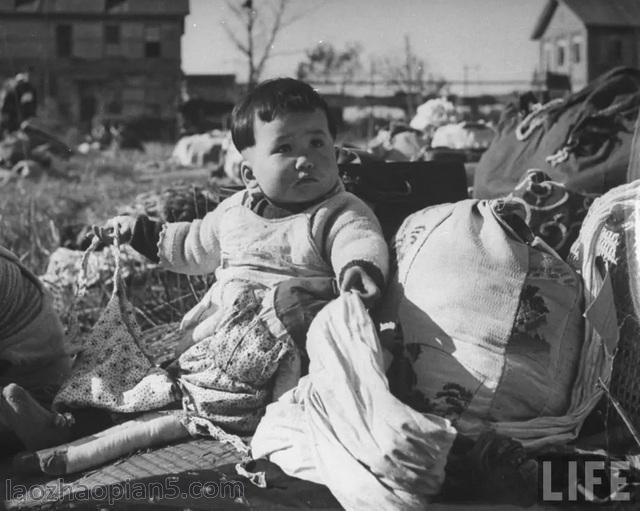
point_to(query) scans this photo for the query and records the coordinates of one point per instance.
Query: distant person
(19, 103)
(527, 103)
(191, 110)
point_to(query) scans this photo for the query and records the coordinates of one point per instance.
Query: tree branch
(235, 40)
(275, 28)
(234, 9)
(300, 15)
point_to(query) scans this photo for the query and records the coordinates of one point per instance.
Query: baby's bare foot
(36, 426)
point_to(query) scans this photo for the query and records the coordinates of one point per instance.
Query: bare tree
(327, 64)
(407, 76)
(259, 29)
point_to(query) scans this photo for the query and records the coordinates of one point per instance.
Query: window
(112, 4)
(20, 3)
(152, 42)
(560, 56)
(152, 49)
(561, 53)
(576, 50)
(616, 51)
(52, 85)
(112, 34)
(64, 40)
(547, 56)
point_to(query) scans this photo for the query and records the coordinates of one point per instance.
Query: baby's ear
(248, 178)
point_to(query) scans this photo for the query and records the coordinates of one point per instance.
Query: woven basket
(616, 245)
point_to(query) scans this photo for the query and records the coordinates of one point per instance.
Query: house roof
(95, 7)
(603, 13)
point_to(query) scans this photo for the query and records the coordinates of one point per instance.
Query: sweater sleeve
(349, 234)
(145, 236)
(192, 248)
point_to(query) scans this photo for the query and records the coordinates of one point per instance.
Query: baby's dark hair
(270, 99)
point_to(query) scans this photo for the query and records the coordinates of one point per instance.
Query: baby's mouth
(306, 179)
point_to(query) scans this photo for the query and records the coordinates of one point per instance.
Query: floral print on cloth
(489, 321)
(229, 376)
(112, 372)
(550, 210)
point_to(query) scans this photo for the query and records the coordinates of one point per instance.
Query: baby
(281, 248)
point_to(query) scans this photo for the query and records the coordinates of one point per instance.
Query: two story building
(97, 59)
(584, 38)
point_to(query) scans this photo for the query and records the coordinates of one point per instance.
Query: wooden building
(117, 60)
(208, 100)
(584, 38)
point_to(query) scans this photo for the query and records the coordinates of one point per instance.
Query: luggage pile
(583, 141)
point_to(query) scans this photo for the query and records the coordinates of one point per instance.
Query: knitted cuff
(145, 237)
(371, 269)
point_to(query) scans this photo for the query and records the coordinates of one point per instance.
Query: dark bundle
(178, 203)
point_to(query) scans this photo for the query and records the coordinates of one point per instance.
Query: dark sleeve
(371, 269)
(145, 237)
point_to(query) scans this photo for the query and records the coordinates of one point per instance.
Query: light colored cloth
(230, 376)
(244, 249)
(273, 275)
(343, 428)
(464, 135)
(112, 372)
(493, 326)
(490, 324)
(601, 333)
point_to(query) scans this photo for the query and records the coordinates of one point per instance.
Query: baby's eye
(317, 142)
(284, 148)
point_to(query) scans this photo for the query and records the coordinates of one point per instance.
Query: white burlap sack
(492, 326)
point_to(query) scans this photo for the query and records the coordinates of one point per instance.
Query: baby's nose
(304, 164)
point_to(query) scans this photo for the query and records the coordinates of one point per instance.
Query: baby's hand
(122, 224)
(358, 280)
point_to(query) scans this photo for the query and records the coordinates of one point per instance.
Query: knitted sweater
(302, 252)
(343, 229)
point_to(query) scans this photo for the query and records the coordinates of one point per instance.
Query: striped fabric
(20, 297)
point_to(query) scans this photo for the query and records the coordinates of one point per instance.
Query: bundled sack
(341, 426)
(552, 212)
(582, 141)
(491, 325)
(394, 190)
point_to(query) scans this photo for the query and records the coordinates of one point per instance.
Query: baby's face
(293, 160)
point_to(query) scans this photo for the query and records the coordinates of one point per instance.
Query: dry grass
(34, 215)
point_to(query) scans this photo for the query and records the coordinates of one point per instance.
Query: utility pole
(465, 79)
(372, 86)
(409, 74)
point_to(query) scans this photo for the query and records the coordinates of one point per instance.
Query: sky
(492, 38)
